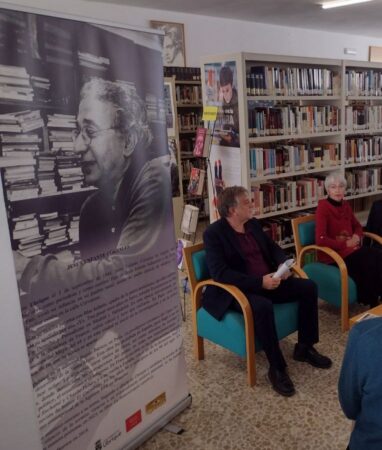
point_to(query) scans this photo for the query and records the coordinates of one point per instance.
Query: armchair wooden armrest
(344, 279)
(296, 270)
(248, 322)
(373, 236)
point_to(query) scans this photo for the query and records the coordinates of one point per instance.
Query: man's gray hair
(133, 118)
(229, 199)
(335, 177)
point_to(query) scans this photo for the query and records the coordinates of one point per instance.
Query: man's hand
(269, 282)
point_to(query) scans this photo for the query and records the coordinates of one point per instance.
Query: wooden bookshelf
(188, 110)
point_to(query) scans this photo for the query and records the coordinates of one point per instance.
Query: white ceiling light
(338, 3)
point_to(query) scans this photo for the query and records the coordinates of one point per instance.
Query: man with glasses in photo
(132, 203)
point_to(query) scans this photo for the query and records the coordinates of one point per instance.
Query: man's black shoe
(310, 355)
(281, 382)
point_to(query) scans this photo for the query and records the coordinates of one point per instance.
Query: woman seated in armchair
(338, 229)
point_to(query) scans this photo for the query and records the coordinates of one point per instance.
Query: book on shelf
(196, 184)
(189, 219)
(202, 142)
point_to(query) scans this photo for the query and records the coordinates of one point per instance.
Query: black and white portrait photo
(174, 50)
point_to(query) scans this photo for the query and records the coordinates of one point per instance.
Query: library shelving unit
(362, 94)
(188, 111)
(289, 131)
(299, 119)
(173, 143)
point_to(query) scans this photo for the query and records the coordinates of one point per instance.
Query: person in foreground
(240, 253)
(360, 384)
(338, 229)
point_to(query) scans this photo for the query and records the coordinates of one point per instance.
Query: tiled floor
(227, 414)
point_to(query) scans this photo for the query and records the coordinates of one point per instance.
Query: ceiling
(363, 19)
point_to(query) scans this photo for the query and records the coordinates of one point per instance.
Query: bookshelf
(188, 111)
(362, 103)
(173, 145)
(299, 119)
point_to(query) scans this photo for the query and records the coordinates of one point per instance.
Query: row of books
(362, 181)
(15, 83)
(283, 195)
(363, 149)
(290, 120)
(183, 73)
(96, 62)
(363, 117)
(189, 121)
(34, 233)
(292, 81)
(189, 164)
(42, 175)
(186, 145)
(284, 159)
(279, 230)
(188, 94)
(363, 82)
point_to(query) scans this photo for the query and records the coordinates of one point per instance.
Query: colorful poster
(87, 191)
(220, 89)
(225, 171)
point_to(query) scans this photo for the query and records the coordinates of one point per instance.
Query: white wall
(210, 36)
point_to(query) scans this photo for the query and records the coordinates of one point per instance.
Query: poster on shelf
(225, 171)
(87, 190)
(220, 89)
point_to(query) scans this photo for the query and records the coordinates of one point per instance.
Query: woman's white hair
(334, 177)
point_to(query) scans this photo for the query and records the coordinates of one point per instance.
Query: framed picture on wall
(174, 49)
(375, 54)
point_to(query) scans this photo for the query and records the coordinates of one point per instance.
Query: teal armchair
(235, 331)
(334, 284)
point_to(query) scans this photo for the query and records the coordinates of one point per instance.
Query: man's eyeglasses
(88, 133)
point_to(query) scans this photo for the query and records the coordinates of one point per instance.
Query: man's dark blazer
(227, 264)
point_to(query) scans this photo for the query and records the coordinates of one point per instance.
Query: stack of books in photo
(41, 89)
(95, 62)
(46, 164)
(54, 230)
(26, 235)
(74, 228)
(15, 83)
(69, 172)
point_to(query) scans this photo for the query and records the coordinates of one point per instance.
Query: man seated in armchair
(240, 253)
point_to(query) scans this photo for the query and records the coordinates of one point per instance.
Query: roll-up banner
(90, 297)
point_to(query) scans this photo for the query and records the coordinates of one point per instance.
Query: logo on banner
(99, 445)
(156, 403)
(133, 420)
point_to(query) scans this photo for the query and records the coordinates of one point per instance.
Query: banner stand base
(159, 424)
